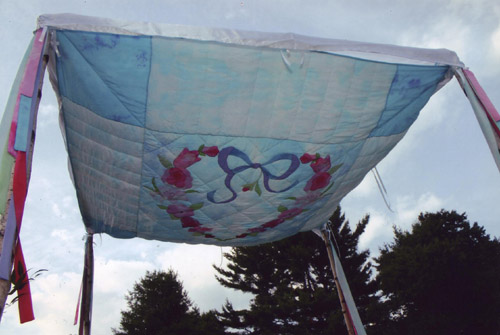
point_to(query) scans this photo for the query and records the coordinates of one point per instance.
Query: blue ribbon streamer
(230, 173)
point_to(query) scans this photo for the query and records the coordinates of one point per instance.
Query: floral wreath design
(176, 182)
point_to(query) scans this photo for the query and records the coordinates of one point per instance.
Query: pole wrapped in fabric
(349, 309)
(87, 288)
(486, 114)
(16, 163)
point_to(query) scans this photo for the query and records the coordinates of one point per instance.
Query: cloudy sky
(443, 162)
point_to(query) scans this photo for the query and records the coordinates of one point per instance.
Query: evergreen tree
(442, 277)
(159, 305)
(292, 283)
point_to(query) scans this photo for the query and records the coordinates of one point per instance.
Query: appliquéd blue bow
(225, 153)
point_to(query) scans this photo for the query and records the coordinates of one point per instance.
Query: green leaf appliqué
(196, 206)
(165, 162)
(282, 208)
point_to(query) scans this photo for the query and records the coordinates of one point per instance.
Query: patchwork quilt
(213, 136)
(222, 137)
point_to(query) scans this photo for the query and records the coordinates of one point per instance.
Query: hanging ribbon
(381, 188)
(75, 322)
(23, 291)
(20, 188)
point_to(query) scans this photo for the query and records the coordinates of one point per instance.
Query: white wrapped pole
(349, 310)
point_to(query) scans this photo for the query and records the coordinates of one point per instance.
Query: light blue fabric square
(411, 88)
(105, 73)
(23, 124)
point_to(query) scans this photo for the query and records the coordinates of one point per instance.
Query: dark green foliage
(18, 281)
(442, 277)
(159, 305)
(293, 284)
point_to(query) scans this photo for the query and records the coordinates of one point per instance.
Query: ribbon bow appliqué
(225, 153)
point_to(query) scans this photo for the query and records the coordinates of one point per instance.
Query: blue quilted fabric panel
(200, 142)
(411, 88)
(105, 73)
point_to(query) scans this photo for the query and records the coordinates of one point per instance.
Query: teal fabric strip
(23, 124)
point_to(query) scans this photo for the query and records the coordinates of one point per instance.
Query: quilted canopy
(213, 136)
(222, 137)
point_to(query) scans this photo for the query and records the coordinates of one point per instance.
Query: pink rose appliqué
(171, 193)
(257, 229)
(199, 229)
(179, 210)
(307, 199)
(321, 164)
(306, 158)
(290, 213)
(210, 151)
(189, 222)
(178, 177)
(186, 158)
(319, 180)
(273, 223)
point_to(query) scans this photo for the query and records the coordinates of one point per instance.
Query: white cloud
(116, 276)
(54, 299)
(112, 281)
(62, 234)
(365, 189)
(408, 208)
(447, 32)
(47, 114)
(406, 211)
(378, 229)
(495, 43)
(193, 263)
(56, 210)
(68, 201)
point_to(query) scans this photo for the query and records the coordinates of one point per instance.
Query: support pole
(87, 288)
(37, 95)
(345, 310)
(5, 284)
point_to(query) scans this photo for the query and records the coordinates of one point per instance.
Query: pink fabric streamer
(20, 190)
(24, 294)
(75, 322)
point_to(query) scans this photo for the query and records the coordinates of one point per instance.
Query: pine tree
(292, 283)
(442, 277)
(159, 305)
